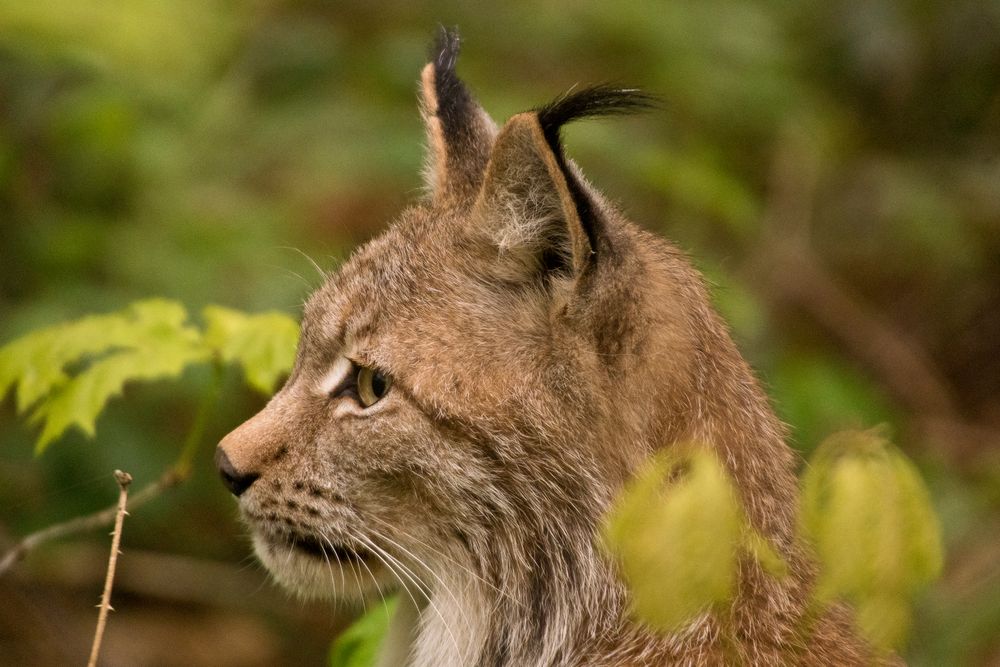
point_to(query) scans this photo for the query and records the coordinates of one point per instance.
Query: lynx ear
(526, 203)
(538, 212)
(459, 133)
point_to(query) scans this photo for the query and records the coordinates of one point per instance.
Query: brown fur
(541, 347)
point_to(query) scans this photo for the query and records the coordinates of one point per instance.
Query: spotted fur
(542, 347)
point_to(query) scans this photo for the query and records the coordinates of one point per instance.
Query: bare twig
(81, 524)
(169, 479)
(123, 479)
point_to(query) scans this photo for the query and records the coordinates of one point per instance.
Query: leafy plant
(678, 528)
(64, 375)
(677, 531)
(866, 510)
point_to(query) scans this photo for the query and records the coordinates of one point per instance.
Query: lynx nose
(235, 481)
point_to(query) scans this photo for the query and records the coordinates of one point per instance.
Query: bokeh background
(833, 166)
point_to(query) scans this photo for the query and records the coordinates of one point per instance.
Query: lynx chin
(472, 389)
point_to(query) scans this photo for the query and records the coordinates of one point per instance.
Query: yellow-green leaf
(358, 645)
(869, 517)
(760, 549)
(884, 620)
(677, 542)
(80, 400)
(263, 344)
(36, 362)
(847, 535)
(67, 373)
(923, 554)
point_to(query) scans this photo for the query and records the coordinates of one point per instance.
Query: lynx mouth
(328, 550)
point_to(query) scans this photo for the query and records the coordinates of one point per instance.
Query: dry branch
(173, 476)
(123, 479)
(901, 363)
(82, 524)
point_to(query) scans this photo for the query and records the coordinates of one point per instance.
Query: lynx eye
(373, 385)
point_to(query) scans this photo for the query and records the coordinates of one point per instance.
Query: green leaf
(80, 400)
(32, 365)
(359, 644)
(868, 514)
(36, 362)
(67, 373)
(264, 344)
(761, 550)
(677, 542)
(923, 554)
(884, 620)
(847, 535)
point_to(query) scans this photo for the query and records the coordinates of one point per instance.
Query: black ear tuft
(455, 103)
(460, 133)
(602, 100)
(444, 51)
(595, 101)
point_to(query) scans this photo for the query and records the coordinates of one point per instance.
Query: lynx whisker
(322, 274)
(399, 572)
(367, 569)
(356, 571)
(427, 590)
(329, 568)
(404, 571)
(448, 559)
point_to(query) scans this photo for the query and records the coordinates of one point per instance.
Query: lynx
(472, 389)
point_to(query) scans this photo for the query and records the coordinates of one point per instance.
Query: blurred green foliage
(191, 150)
(677, 531)
(868, 514)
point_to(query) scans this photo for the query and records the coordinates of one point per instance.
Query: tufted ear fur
(459, 133)
(526, 207)
(536, 209)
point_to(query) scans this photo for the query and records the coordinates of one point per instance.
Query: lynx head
(473, 386)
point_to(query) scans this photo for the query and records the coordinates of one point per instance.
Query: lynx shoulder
(473, 388)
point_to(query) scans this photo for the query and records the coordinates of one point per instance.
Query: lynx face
(418, 381)
(432, 402)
